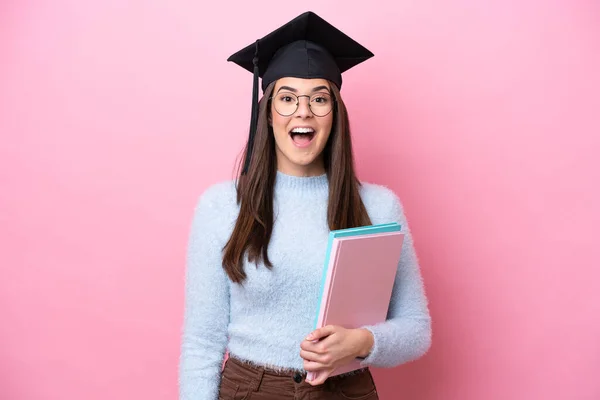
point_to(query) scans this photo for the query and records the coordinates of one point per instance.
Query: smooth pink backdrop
(483, 116)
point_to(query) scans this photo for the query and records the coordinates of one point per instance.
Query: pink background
(483, 116)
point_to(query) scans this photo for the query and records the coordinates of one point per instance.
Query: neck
(285, 166)
(302, 173)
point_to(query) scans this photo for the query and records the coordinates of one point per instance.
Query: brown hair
(254, 225)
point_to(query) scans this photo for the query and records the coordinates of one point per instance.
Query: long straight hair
(252, 231)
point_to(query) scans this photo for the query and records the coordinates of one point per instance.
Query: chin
(300, 158)
(303, 163)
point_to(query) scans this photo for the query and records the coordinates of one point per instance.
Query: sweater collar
(305, 184)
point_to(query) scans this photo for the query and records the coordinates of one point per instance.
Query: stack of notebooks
(358, 278)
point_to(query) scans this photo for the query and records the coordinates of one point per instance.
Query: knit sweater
(264, 320)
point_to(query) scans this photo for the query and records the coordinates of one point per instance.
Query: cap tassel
(254, 114)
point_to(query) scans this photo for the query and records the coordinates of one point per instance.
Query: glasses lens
(320, 104)
(285, 103)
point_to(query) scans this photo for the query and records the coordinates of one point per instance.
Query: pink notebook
(358, 283)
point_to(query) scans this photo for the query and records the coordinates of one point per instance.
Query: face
(301, 134)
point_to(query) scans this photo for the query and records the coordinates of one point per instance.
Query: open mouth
(302, 137)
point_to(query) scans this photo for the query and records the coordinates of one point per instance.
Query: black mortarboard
(306, 47)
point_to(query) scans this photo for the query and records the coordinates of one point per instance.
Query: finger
(309, 355)
(308, 346)
(324, 359)
(313, 366)
(321, 377)
(322, 347)
(321, 332)
(316, 346)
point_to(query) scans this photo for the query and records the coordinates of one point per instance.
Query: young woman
(257, 244)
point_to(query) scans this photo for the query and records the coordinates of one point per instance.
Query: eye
(321, 99)
(287, 97)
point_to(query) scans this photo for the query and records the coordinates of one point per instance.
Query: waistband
(282, 372)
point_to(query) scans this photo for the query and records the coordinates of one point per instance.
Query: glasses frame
(333, 105)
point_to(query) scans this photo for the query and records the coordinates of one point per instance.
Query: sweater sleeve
(406, 335)
(206, 310)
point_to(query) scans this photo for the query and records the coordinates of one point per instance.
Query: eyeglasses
(286, 103)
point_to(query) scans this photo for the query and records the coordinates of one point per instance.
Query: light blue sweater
(265, 320)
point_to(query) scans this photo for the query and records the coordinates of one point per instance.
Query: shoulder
(376, 193)
(217, 203)
(382, 203)
(218, 194)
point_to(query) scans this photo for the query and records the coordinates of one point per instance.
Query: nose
(303, 108)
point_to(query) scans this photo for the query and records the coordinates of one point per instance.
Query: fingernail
(309, 337)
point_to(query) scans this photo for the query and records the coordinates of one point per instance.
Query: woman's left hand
(330, 347)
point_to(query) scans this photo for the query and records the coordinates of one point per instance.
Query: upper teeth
(303, 130)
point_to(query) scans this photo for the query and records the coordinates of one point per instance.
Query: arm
(403, 337)
(406, 335)
(206, 313)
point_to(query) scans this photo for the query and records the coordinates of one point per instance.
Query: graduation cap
(306, 47)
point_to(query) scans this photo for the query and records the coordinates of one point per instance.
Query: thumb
(321, 332)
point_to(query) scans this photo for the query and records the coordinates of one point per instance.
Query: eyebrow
(315, 89)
